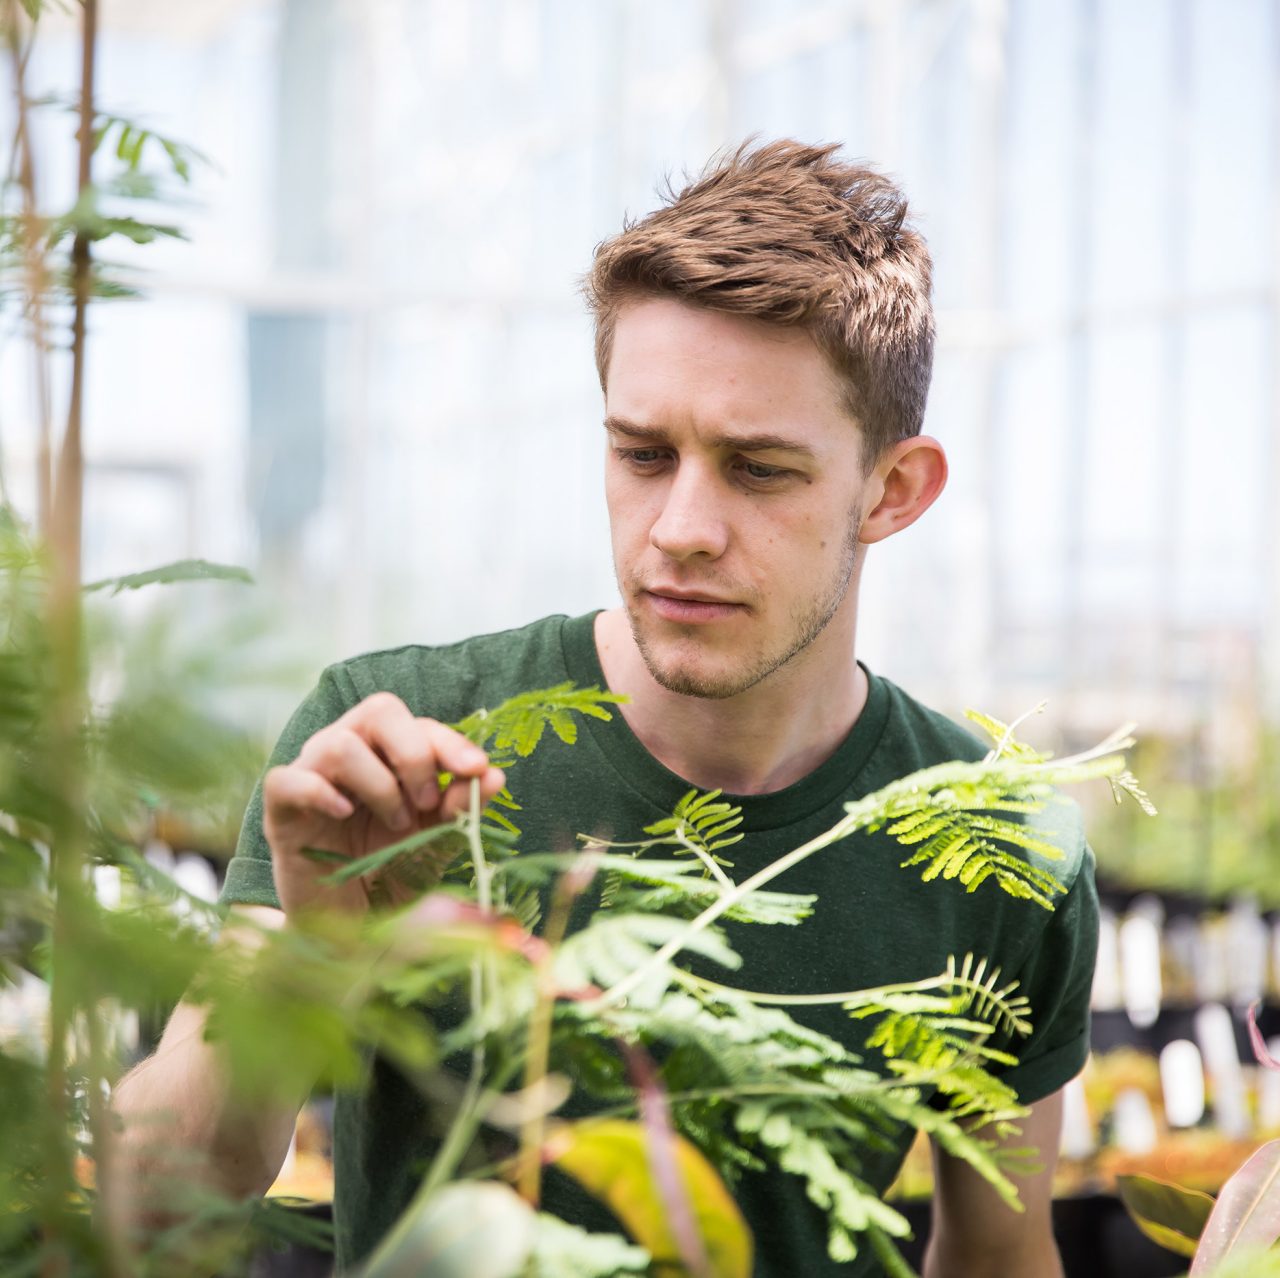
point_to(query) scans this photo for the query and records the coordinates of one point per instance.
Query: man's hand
(975, 1235)
(362, 783)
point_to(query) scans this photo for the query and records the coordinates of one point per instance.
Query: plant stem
(616, 993)
(75, 912)
(484, 875)
(538, 1051)
(482, 978)
(467, 1118)
(709, 862)
(853, 998)
(69, 483)
(456, 1143)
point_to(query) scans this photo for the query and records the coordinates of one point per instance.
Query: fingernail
(428, 796)
(401, 820)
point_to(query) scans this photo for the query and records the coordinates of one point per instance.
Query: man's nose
(690, 522)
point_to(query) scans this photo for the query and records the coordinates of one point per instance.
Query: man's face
(735, 491)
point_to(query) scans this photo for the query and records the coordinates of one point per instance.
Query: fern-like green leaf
(654, 886)
(525, 905)
(852, 1206)
(966, 843)
(513, 730)
(613, 944)
(452, 834)
(1127, 783)
(562, 1250)
(699, 825)
(940, 1024)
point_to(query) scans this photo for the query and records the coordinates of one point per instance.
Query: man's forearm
(181, 1122)
(1035, 1258)
(179, 1117)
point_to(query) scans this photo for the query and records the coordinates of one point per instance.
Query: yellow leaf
(610, 1158)
(1168, 1214)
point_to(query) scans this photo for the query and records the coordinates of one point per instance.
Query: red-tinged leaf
(1168, 1214)
(1263, 1057)
(469, 1229)
(610, 1158)
(1247, 1213)
(438, 916)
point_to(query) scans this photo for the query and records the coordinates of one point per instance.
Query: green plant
(785, 1094)
(587, 1010)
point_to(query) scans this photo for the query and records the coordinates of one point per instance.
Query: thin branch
(74, 905)
(852, 998)
(1009, 731)
(69, 482)
(708, 861)
(538, 1050)
(468, 1116)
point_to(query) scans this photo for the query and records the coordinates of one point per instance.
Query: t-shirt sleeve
(1057, 979)
(249, 879)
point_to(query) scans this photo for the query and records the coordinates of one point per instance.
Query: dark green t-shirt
(875, 923)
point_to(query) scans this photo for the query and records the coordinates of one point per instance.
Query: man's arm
(180, 1119)
(975, 1235)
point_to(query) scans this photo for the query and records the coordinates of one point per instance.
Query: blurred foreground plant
(96, 736)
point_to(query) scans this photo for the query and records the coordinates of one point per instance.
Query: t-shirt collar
(832, 779)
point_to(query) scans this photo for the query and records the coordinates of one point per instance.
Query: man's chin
(688, 683)
(686, 675)
(689, 666)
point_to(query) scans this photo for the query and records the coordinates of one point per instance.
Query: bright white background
(368, 375)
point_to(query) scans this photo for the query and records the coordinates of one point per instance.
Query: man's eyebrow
(747, 443)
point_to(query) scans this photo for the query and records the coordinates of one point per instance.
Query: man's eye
(760, 472)
(640, 456)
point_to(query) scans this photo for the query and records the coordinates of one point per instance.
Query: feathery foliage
(643, 884)
(512, 730)
(700, 826)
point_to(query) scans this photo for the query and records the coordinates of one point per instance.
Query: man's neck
(756, 742)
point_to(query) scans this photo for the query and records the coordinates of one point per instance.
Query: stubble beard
(808, 623)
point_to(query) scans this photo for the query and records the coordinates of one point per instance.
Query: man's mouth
(688, 606)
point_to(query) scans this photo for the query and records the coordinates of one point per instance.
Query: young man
(764, 343)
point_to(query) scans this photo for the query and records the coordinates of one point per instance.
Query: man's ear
(904, 484)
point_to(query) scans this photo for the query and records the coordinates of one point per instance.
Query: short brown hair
(790, 234)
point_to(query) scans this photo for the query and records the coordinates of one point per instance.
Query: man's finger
(454, 752)
(408, 745)
(296, 789)
(343, 757)
(417, 749)
(457, 798)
